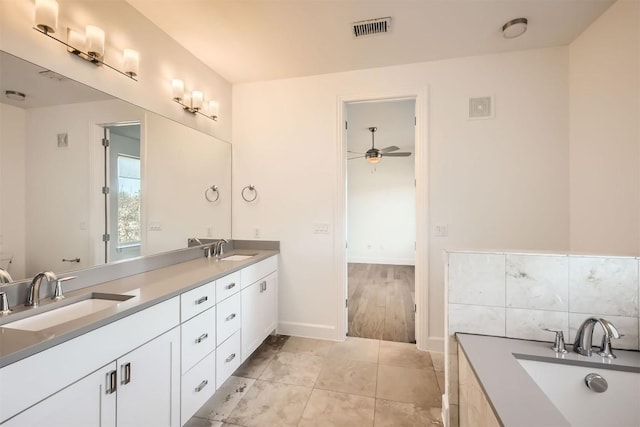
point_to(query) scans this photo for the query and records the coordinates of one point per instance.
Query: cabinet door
(268, 305)
(250, 332)
(149, 383)
(88, 402)
(259, 313)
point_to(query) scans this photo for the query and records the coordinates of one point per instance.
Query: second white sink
(237, 257)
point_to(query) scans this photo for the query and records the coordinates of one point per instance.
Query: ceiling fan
(374, 155)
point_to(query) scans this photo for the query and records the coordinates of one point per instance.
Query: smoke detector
(371, 27)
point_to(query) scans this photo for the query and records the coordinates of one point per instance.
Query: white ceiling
(253, 40)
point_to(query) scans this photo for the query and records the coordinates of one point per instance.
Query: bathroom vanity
(153, 357)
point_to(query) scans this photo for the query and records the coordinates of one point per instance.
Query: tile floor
(291, 381)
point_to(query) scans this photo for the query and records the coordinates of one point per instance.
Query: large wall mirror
(69, 201)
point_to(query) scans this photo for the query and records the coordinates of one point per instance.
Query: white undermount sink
(94, 303)
(237, 257)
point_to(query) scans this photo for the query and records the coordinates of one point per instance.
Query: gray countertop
(514, 396)
(149, 288)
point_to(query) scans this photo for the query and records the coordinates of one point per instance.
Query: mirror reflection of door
(123, 198)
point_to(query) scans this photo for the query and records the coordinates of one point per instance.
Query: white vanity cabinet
(135, 390)
(88, 402)
(259, 304)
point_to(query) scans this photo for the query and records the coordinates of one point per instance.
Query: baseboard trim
(308, 330)
(433, 344)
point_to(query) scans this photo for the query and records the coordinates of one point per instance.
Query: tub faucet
(33, 293)
(5, 277)
(584, 337)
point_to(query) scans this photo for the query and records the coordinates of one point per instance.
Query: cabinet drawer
(227, 286)
(198, 385)
(198, 338)
(197, 300)
(227, 358)
(228, 318)
(257, 271)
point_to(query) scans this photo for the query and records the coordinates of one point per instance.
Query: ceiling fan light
(373, 158)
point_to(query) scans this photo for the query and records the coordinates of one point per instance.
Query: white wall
(381, 198)
(13, 135)
(496, 183)
(179, 165)
(605, 133)
(161, 57)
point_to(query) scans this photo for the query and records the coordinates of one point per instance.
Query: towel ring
(213, 189)
(250, 188)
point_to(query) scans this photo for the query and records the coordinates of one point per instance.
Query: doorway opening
(381, 219)
(122, 191)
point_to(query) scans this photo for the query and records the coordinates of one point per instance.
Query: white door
(149, 383)
(88, 402)
(268, 315)
(250, 297)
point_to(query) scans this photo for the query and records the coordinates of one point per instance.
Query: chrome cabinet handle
(202, 338)
(202, 385)
(230, 358)
(202, 299)
(263, 286)
(230, 317)
(126, 373)
(230, 286)
(112, 382)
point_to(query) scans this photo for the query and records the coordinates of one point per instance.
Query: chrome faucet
(5, 277)
(33, 293)
(217, 250)
(584, 337)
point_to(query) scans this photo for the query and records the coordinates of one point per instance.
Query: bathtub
(529, 385)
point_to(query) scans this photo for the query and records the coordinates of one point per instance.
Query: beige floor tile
(294, 368)
(225, 399)
(270, 404)
(440, 378)
(202, 422)
(403, 354)
(255, 365)
(348, 376)
(329, 409)
(409, 385)
(362, 349)
(400, 414)
(308, 345)
(438, 360)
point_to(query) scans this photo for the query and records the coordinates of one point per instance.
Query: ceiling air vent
(371, 26)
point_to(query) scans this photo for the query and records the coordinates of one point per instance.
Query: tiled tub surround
(512, 398)
(516, 295)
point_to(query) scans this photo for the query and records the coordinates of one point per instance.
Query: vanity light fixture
(89, 46)
(514, 28)
(195, 103)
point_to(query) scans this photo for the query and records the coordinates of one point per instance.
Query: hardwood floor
(381, 302)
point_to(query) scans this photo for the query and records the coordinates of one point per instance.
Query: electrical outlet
(155, 226)
(441, 230)
(209, 231)
(256, 233)
(321, 228)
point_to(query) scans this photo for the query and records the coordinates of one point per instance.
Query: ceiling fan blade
(354, 152)
(359, 157)
(401, 154)
(389, 149)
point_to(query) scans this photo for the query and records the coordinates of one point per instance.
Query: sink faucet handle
(57, 290)
(610, 331)
(558, 345)
(4, 304)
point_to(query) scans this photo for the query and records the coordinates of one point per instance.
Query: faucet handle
(558, 345)
(57, 290)
(4, 304)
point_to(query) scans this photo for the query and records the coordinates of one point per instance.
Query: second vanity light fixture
(194, 103)
(88, 46)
